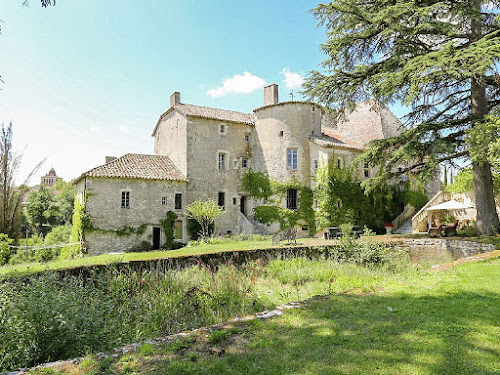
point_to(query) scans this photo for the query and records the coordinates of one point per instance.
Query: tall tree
(41, 209)
(10, 196)
(439, 58)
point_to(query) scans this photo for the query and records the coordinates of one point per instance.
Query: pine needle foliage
(438, 58)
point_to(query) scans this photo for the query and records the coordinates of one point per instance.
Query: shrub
(173, 246)
(168, 225)
(5, 250)
(58, 235)
(194, 229)
(142, 246)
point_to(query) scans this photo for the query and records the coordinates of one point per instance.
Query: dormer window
(222, 128)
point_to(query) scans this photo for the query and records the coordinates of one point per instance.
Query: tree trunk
(487, 217)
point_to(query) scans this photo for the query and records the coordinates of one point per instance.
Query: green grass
(411, 323)
(106, 259)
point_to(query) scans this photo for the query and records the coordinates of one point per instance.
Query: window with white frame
(244, 163)
(163, 201)
(222, 128)
(292, 160)
(222, 161)
(315, 164)
(247, 137)
(125, 199)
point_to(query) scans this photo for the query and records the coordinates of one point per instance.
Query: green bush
(5, 250)
(143, 246)
(194, 229)
(416, 199)
(168, 225)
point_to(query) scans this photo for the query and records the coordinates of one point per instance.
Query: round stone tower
(283, 134)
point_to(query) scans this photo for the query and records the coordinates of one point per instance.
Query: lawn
(414, 323)
(104, 259)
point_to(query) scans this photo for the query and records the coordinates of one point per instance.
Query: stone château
(202, 152)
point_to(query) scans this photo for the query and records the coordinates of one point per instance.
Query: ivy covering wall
(272, 193)
(337, 199)
(80, 222)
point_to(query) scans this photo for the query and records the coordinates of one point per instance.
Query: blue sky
(89, 78)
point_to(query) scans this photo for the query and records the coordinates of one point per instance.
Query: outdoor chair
(435, 231)
(451, 230)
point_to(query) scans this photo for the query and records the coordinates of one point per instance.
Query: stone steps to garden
(405, 228)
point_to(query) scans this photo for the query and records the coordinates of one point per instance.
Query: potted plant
(389, 227)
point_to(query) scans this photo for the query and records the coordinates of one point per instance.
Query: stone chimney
(175, 99)
(271, 94)
(109, 159)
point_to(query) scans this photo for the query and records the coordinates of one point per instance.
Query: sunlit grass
(411, 323)
(104, 259)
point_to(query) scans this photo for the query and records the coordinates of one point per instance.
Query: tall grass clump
(48, 318)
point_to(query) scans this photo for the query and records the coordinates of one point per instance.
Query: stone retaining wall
(445, 249)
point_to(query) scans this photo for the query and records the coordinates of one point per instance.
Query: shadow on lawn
(454, 333)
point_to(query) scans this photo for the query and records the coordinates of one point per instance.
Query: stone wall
(283, 126)
(171, 139)
(146, 208)
(445, 249)
(205, 179)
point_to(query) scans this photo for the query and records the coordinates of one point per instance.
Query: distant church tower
(50, 178)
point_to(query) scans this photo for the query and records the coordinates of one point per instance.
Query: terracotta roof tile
(149, 167)
(215, 113)
(325, 140)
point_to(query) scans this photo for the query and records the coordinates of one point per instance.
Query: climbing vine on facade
(168, 225)
(272, 193)
(80, 222)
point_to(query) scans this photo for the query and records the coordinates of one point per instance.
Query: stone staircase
(404, 228)
(419, 220)
(250, 226)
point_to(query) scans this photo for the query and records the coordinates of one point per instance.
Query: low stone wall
(445, 249)
(211, 261)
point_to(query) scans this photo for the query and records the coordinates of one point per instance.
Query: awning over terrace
(452, 205)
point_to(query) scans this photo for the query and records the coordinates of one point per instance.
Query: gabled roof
(326, 140)
(223, 115)
(215, 113)
(369, 120)
(148, 167)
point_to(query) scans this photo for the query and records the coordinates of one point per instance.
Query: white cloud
(292, 80)
(238, 84)
(95, 129)
(125, 130)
